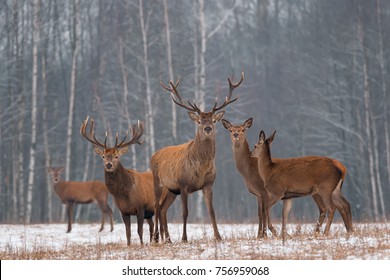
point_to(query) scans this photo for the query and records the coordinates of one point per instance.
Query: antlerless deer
(189, 167)
(71, 192)
(295, 177)
(248, 168)
(132, 191)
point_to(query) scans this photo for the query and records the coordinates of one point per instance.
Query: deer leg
(260, 232)
(343, 207)
(109, 212)
(164, 222)
(127, 221)
(287, 203)
(151, 228)
(103, 210)
(140, 224)
(208, 197)
(322, 208)
(327, 199)
(157, 214)
(69, 208)
(184, 201)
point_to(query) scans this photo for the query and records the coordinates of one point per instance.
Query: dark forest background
(316, 71)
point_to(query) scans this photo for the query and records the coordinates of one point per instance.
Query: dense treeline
(315, 71)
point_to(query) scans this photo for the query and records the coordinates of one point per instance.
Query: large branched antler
(137, 132)
(228, 98)
(177, 98)
(91, 135)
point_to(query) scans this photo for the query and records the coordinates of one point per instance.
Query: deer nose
(108, 165)
(235, 135)
(208, 129)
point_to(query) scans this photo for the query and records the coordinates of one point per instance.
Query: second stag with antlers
(189, 167)
(132, 191)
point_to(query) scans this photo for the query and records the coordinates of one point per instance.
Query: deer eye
(103, 156)
(116, 156)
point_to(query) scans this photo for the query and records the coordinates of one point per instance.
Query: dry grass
(369, 241)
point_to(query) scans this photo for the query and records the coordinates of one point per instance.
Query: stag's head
(263, 145)
(111, 156)
(205, 120)
(237, 132)
(55, 173)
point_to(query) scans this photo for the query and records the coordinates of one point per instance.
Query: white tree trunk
(149, 106)
(170, 68)
(49, 208)
(73, 78)
(31, 168)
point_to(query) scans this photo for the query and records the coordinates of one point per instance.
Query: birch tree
(144, 20)
(72, 93)
(31, 169)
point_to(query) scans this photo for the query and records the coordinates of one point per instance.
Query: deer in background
(189, 167)
(132, 191)
(71, 192)
(302, 176)
(248, 168)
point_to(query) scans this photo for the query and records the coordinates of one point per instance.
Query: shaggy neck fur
(120, 181)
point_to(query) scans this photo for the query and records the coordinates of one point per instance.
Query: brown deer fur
(189, 167)
(296, 177)
(71, 192)
(248, 168)
(133, 191)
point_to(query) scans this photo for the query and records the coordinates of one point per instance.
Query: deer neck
(265, 162)
(120, 181)
(203, 149)
(245, 163)
(58, 187)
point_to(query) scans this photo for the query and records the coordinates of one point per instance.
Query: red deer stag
(296, 177)
(71, 192)
(248, 168)
(132, 191)
(189, 167)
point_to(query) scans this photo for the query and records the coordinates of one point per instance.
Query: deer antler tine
(228, 99)
(105, 140)
(116, 139)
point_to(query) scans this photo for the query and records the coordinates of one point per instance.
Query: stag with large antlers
(189, 167)
(132, 191)
(297, 177)
(248, 168)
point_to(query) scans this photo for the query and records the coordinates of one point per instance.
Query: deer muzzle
(109, 166)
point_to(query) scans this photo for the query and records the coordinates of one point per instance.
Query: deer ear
(193, 116)
(98, 151)
(271, 138)
(226, 124)
(248, 123)
(262, 136)
(218, 116)
(123, 151)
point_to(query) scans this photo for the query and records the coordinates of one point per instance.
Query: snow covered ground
(49, 241)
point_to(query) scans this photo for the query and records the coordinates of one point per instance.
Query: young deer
(132, 191)
(296, 177)
(248, 168)
(71, 192)
(189, 167)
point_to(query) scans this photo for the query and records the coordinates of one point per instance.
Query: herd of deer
(190, 167)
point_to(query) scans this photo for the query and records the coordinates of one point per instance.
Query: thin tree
(31, 168)
(73, 79)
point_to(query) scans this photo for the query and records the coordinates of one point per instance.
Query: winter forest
(316, 71)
